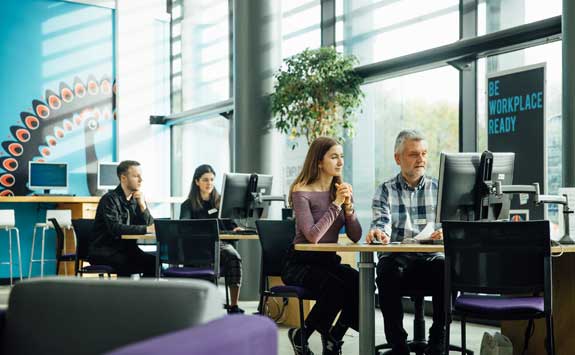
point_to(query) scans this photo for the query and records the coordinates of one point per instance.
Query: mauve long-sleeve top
(318, 220)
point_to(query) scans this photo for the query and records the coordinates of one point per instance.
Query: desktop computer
(464, 179)
(47, 176)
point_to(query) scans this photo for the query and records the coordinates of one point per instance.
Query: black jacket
(116, 216)
(187, 212)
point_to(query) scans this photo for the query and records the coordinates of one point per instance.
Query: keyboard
(48, 195)
(431, 241)
(242, 232)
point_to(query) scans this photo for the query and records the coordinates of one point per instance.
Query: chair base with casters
(419, 343)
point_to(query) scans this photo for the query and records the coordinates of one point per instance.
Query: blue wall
(57, 71)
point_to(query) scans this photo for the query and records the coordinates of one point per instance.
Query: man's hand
(151, 229)
(377, 234)
(238, 229)
(437, 235)
(139, 197)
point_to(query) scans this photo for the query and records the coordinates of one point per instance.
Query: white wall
(142, 92)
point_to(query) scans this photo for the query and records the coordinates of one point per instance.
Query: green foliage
(316, 94)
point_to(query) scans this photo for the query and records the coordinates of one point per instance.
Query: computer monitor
(459, 196)
(47, 176)
(237, 195)
(107, 176)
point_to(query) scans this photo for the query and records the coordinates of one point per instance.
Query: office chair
(499, 260)
(84, 237)
(276, 238)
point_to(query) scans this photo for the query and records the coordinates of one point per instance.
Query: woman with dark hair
(322, 204)
(203, 202)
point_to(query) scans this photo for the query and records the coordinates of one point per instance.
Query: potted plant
(316, 94)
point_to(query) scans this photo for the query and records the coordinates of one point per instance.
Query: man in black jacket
(123, 211)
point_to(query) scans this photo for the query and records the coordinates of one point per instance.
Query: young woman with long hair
(322, 205)
(203, 202)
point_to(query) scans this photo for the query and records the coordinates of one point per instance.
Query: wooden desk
(152, 237)
(563, 295)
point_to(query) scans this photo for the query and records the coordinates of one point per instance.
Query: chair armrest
(234, 334)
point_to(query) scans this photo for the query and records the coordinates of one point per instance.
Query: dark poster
(516, 123)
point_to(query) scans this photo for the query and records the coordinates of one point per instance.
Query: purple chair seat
(191, 272)
(295, 290)
(98, 268)
(237, 334)
(504, 307)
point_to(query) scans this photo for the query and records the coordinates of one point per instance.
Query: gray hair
(407, 135)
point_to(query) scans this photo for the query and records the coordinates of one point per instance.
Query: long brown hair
(310, 171)
(195, 197)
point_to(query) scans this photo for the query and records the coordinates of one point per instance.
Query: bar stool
(64, 218)
(8, 223)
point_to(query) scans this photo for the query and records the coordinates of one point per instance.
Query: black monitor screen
(48, 175)
(236, 200)
(107, 175)
(457, 178)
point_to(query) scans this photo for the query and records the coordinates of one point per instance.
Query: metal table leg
(366, 304)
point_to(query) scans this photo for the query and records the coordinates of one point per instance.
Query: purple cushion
(191, 272)
(97, 269)
(296, 290)
(235, 334)
(510, 306)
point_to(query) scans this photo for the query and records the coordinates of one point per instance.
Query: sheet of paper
(426, 232)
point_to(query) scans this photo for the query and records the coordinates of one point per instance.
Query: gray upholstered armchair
(95, 316)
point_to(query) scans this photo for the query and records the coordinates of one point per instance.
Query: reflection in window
(378, 30)
(551, 55)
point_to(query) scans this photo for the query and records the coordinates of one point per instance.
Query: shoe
(235, 310)
(295, 340)
(331, 346)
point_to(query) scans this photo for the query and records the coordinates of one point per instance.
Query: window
(495, 15)
(378, 30)
(551, 55)
(427, 101)
(201, 142)
(201, 52)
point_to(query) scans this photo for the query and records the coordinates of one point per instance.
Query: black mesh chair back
(508, 261)
(498, 257)
(276, 238)
(192, 243)
(83, 228)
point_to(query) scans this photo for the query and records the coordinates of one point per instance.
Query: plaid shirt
(402, 211)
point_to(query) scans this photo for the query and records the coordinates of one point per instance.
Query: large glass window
(550, 54)
(301, 29)
(201, 142)
(201, 52)
(300, 26)
(495, 15)
(375, 30)
(427, 101)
